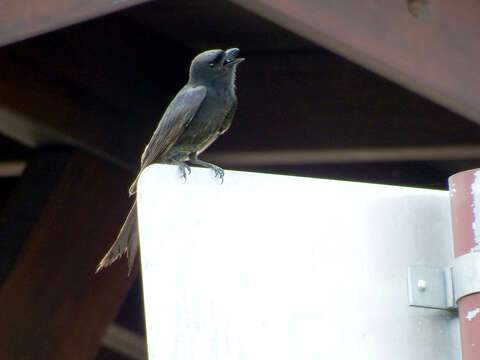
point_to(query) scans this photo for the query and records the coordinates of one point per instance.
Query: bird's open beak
(231, 57)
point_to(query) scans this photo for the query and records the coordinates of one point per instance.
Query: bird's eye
(211, 65)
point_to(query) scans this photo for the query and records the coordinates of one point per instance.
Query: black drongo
(199, 113)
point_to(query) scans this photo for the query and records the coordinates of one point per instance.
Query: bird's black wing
(228, 119)
(176, 118)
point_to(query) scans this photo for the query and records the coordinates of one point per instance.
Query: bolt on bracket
(441, 288)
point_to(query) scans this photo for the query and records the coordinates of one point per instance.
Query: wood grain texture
(27, 18)
(61, 219)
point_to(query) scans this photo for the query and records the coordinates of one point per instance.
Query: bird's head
(215, 66)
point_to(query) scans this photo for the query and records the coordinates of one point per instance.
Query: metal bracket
(441, 288)
(430, 287)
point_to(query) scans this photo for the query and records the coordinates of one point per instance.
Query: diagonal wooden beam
(59, 221)
(23, 19)
(432, 50)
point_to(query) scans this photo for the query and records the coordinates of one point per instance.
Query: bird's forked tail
(127, 241)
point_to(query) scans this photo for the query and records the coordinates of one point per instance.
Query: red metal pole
(465, 207)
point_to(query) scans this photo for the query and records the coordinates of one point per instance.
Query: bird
(200, 112)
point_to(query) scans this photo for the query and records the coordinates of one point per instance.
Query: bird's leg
(183, 167)
(216, 169)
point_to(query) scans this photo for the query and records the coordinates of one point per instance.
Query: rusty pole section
(465, 207)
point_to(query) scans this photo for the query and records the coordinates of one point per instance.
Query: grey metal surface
(466, 275)
(277, 267)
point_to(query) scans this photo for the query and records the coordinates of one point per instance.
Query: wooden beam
(316, 156)
(23, 19)
(459, 153)
(432, 52)
(330, 156)
(59, 221)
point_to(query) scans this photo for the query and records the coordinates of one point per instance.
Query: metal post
(465, 207)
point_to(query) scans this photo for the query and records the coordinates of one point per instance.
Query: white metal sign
(280, 267)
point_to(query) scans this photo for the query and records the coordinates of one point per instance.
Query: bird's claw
(218, 172)
(183, 171)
